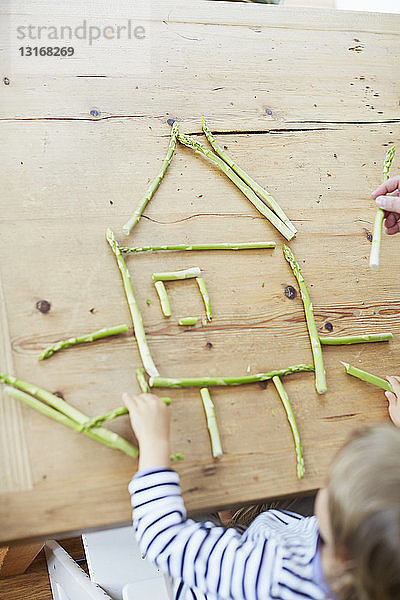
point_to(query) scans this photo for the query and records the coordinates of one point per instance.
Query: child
(387, 197)
(349, 551)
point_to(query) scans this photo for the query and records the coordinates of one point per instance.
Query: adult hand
(394, 400)
(387, 197)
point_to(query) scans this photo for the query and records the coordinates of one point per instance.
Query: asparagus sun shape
(256, 187)
(212, 425)
(243, 187)
(320, 374)
(137, 321)
(153, 187)
(89, 337)
(56, 408)
(293, 425)
(380, 215)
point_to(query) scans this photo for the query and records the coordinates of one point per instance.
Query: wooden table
(307, 101)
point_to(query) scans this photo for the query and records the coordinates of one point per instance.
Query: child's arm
(394, 400)
(210, 559)
(387, 197)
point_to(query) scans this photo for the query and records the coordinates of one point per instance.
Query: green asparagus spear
(89, 337)
(206, 298)
(368, 377)
(75, 416)
(153, 187)
(133, 307)
(320, 375)
(163, 296)
(187, 321)
(188, 247)
(174, 382)
(256, 187)
(355, 339)
(380, 215)
(243, 187)
(176, 275)
(211, 423)
(293, 425)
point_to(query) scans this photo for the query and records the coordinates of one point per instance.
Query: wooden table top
(307, 101)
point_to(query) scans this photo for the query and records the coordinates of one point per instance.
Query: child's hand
(394, 400)
(389, 203)
(150, 422)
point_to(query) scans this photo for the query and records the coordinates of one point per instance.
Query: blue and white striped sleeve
(213, 560)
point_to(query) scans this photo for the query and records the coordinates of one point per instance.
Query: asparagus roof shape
(320, 375)
(256, 187)
(380, 215)
(137, 321)
(89, 337)
(293, 425)
(153, 187)
(242, 185)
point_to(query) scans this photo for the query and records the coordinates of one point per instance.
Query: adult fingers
(391, 219)
(392, 230)
(395, 383)
(389, 203)
(389, 186)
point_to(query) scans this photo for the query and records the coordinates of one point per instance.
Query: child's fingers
(387, 187)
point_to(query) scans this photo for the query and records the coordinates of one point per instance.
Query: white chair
(116, 567)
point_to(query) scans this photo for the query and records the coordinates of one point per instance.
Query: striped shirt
(273, 559)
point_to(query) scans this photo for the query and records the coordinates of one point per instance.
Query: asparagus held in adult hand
(211, 246)
(153, 187)
(293, 425)
(174, 382)
(380, 215)
(256, 187)
(355, 339)
(243, 187)
(137, 321)
(89, 337)
(320, 375)
(368, 377)
(211, 423)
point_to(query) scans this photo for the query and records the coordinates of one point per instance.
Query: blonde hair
(364, 509)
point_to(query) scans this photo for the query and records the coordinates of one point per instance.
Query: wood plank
(15, 473)
(67, 178)
(14, 560)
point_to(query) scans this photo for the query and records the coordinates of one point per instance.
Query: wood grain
(67, 176)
